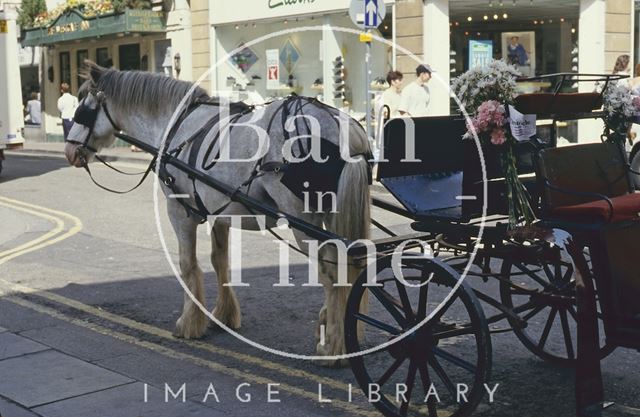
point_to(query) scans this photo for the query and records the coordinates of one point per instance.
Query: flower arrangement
(484, 93)
(620, 104)
(88, 8)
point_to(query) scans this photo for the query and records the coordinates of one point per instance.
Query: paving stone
(9, 409)
(158, 370)
(125, 401)
(16, 318)
(13, 345)
(48, 376)
(79, 342)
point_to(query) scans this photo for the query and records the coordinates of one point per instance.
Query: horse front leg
(192, 322)
(227, 309)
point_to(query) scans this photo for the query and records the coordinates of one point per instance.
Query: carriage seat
(611, 210)
(587, 183)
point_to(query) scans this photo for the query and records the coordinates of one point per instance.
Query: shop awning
(73, 25)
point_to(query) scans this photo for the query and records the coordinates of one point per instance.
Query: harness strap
(146, 173)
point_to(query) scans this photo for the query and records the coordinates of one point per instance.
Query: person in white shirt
(391, 96)
(67, 105)
(33, 110)
(415, 96)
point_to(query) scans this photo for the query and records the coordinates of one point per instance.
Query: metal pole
(367, 59)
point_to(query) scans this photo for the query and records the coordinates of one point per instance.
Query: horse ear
(91, 71)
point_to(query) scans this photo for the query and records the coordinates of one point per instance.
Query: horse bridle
(87, 117)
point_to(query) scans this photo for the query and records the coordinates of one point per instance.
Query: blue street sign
(371, 14)
(367, 14)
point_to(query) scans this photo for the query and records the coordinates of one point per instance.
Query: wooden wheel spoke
(461, 363)
(406, 304)
(394, 367)
(567, 335)
(426, 384)
(409, 382)
(457, 331)
(534, 277)
(422, 302)
(573, 312)
(533, 313)
(442, 374)
(377, 324)
(547, 328)
(390, 304)
(444, 308)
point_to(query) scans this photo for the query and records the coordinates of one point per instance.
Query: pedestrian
(67, 105)
(33, 110)
(415, 97)
(391, 96)
(621, 66)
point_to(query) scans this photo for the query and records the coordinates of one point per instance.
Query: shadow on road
(17, 166)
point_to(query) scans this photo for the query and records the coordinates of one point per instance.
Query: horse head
(93, 125)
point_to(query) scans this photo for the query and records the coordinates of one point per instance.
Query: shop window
(129, 56)
(65, 68)
(81, 55)
(102, 58)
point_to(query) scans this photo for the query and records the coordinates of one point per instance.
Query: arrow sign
(367, 14)
(371, 13)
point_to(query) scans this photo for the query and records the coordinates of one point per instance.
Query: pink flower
(498, 136)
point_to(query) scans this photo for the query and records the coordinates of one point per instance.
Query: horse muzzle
(76, 154)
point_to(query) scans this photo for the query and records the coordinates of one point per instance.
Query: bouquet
(620, 104)
(484, 94)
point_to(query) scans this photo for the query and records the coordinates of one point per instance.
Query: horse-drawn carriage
(589, 224)
(424, 325)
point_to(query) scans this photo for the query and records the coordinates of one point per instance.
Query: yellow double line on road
(57, 234)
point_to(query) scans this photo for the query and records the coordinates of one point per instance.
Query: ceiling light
(504, 16)
(495, 17)
(501, 3)
(535, 22)
(573, 30)
(562, 19)
(485, 17)
(469, 19)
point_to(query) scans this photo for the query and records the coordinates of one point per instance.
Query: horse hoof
(232, 320)
(193, 331)
(327, 350)
(334, 363)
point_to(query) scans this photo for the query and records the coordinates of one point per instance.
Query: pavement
(117, 153)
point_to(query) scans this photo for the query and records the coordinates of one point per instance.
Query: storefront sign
(227, 11)
(480, 53)
(73, 25)
(273, 69)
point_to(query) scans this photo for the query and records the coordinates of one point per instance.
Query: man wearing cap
(415, 96)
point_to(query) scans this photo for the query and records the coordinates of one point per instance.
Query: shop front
(134, 39)
(312, 53)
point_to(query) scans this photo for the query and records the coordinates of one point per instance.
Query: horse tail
(352, 220)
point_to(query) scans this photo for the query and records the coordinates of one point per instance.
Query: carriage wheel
(550, 312)
(426, 372)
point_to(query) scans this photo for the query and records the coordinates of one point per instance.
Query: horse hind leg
(192, 322)
(227, 309)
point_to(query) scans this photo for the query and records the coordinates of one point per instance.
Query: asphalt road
(101, 289)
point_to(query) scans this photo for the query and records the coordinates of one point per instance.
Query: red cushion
(625, 207)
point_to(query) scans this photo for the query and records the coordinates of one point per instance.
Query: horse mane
(133, 90)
